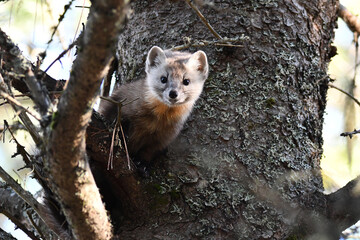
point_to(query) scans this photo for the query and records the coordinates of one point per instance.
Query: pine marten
(160, 103)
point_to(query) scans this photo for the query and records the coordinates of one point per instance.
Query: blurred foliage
(337, 169)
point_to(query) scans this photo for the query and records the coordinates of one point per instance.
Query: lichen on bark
(256, 128)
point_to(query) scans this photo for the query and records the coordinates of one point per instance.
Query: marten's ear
(199, 61)
(155, 57)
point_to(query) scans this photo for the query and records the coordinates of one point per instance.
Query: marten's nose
(173, 94)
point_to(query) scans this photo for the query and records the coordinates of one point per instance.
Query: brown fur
(153, 122)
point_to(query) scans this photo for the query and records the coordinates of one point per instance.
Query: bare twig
(15, 126)
(350, 134)
(111, 152)
(60, 56)
(35, 225)
(125, 145)
(16, 103)
(21, 150)
(15, 66)
(28, 94)
(61, 17)
(225, 42)
(352, 21)
(61, 39)
(17, 207)
(116, 129)
(346, 93)
(23, 116)
(203, 19)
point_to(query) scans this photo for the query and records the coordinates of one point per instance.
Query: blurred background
(340, 162)
(31, 23)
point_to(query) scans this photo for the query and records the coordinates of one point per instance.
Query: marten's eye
(186, 81)
(163, 79)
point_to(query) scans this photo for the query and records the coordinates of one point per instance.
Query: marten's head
(176, 78)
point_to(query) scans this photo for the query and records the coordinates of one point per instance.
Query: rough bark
(256, 129)
(343, 205)
(12, 206)
(246, 165)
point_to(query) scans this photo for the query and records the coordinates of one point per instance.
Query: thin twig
(345, 134)
(15, 102)
(123, 102)
(125, 145)
(34, 225)
(30, 127)
(116, 127)
(60, 56)
(21, 150)
(28, 94)
(346, 93)
(111, 153)
(225, 42)
(61, 17)
(203, 19)
(22, 115)
(61, 39)
(78, 25)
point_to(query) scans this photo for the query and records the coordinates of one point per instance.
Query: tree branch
(71, 178)
(14, 67)
(203, 19)
(346, 93)
(19, 224)
(26, 196)
(352, 21)
(16, 104)
(18, 108)
(39, 95)
(343, 205)
(12, 205)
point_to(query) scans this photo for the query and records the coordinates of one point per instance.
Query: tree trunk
(247, 164)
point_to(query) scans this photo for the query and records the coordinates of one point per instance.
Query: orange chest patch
(165, 113)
